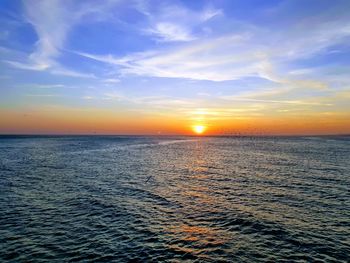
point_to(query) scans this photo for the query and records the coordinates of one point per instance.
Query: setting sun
(199, 129)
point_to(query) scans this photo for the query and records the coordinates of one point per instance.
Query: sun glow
(199, 129)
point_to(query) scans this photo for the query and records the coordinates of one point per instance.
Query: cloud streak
(52, 21)
(175, 23)
(229, 57)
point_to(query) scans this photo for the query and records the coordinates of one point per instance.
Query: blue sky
(217, 59)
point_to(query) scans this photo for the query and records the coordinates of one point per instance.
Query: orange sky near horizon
(92, 121)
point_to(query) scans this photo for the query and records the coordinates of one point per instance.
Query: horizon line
(172, 135)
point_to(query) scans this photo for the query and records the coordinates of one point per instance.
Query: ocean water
(174, 199)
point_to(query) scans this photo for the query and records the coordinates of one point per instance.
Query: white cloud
(111, 81)
(51, 22)
(114, 96)
(43, 95)
(201, 60)
(46, 86)
(170, 32)
(210, 13)
(56, 70)
(296, 102)
(173, 23)
(88, 98)
(25, 66)
(59, 70)
(252, 51)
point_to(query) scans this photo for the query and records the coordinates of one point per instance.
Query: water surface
(238, 199)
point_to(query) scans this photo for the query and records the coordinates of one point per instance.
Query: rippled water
(174, 199)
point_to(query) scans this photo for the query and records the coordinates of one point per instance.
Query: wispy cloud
(88, 97)
(44, 86)
(165, 31)
(111, 80)
(295, 102)
(52, 21)
(172, 22)
(251, 52)
(202, 60)
(43, 95)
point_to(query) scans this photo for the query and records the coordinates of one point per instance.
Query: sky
(163, 67)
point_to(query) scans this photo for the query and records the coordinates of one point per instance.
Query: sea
(174, 199)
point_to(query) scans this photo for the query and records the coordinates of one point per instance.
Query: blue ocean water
(171, 199)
